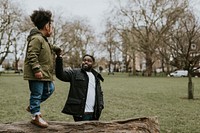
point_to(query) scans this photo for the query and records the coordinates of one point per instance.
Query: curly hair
(92, 57)
(41, 17)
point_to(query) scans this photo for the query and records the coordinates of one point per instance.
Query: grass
(125, 97)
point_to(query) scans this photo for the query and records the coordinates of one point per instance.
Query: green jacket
(39, 57)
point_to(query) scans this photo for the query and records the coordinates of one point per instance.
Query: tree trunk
(139, 125)
(148, 66)
(190, 87)
(134, 69)
(16, 64)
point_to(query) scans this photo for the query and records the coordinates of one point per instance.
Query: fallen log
(134, 125)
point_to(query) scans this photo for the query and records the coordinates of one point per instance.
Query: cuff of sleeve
(36, 70)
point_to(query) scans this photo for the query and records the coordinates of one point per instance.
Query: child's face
(49, 28)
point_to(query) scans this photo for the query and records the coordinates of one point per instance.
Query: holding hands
(58, 53)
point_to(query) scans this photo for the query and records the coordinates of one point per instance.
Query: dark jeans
(40, 91)
(85, 117)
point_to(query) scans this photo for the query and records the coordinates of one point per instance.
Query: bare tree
(110, 45)
(128, 47)
(75, 38)
(185, 46)
(19, 42)
(148, 22)
(9, 19)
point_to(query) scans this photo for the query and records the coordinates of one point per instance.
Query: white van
(179, 73)
(1, 69)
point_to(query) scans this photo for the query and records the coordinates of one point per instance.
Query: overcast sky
(93, 10)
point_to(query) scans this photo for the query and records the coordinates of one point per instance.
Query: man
(85, 98)
(38, 64)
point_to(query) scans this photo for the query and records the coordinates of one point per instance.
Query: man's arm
(33, 52)
(60, 73)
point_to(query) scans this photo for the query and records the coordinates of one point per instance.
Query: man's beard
(86, 67)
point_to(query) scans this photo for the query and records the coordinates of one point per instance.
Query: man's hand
(58, 52)
(39, 75)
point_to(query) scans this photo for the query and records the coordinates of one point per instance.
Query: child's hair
(41, 17)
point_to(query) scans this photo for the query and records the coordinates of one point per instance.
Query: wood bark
(134, 125)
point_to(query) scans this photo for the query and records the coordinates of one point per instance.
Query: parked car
(2, 70)
(179, 73)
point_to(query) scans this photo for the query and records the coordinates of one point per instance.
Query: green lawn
(124, 96)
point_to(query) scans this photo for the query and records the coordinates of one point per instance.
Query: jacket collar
(96, 74)
(35, 31)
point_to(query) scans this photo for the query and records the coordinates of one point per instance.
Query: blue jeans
(40, 91)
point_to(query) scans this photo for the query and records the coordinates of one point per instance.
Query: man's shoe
(28, 109)
(38, 121)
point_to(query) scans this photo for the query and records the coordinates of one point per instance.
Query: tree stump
(134, 125)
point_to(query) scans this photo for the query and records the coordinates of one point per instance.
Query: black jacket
(75, 104)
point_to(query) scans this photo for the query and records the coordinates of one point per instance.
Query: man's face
(87, 63)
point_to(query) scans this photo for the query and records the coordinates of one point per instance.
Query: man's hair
(41, 17)
(89, 56)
